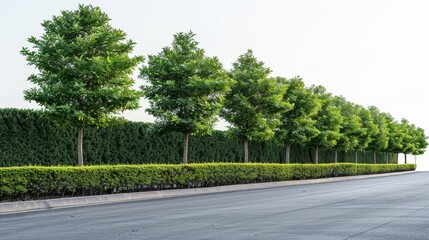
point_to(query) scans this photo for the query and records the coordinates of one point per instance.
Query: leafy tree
(409, 138)
(254, 105)
(186, 88)
(396, 135)
(421, 142)
(380, 138)
(298, 125)
(369, 127)
(351, 129)
(328, 122)
(84, 67)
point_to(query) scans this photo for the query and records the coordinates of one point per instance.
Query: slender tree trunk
(405, 158)
(185, 147)
(387, 157)
(375, 157)
(316, 155)
(288, 154)
(356, 157)
(80, 147)
(246, 150)
(336, 156)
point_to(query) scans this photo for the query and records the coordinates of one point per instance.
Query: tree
(328, 122)
(380, 138)
(186, 88)
(421, 142)
(396, 136)
(84, 67)
(254, 105)
(351, 129)
(298, 125)
(369, 127)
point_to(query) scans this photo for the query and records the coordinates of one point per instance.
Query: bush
(24, 183)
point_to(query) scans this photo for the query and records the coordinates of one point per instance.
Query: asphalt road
(395, 207)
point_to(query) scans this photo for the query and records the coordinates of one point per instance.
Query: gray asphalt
(395, 207)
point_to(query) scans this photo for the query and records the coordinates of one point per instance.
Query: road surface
(395, 207)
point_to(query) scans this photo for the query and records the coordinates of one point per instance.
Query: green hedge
(24, 183)
(28, 138)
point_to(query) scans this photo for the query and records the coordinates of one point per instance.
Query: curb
(36, 205)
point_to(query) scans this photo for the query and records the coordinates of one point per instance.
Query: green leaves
(254, 105)
(328, 120)
(24, 183)
(298, 125)
(84, 67)
(184, 87)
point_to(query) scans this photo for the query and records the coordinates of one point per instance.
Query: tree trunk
(405, 158)
(288, 154)
(80, 147)
(356, 157)
(185, 147)
(246, 150)
(375, 157)
(316, 155)
(387, 157)
(336, 156)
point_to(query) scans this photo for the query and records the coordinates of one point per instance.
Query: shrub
(24, 183)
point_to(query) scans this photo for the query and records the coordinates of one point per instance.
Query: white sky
(373, 52)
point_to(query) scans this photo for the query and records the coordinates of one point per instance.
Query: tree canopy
(254, 105)
(185, 88)
(83, 68)
(298, 125)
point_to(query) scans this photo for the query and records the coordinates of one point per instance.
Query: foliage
(27, 137)
(351, 131)
(380, 137)
(298, 125)
(328, 120)
(24, 183)
(254, 105)
(368, 125)
(185, 88)
(84, 68)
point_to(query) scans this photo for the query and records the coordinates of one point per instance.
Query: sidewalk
(25, 206)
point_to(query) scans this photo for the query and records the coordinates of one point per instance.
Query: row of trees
(84, 67)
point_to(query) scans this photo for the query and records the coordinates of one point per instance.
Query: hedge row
(24, 183)
(28, 138)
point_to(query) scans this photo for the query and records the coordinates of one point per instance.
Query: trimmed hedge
(29, 138)
(25, 183)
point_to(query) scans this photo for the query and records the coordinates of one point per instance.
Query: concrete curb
(25, 206)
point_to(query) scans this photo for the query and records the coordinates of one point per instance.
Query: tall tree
(254, 105)
(420, 141)
(351, 130)
(396, 135)
(380, 139)
(409, 138)
(185, 88)
(84, 67)
(328, 122)
(298, 125)
(369, 127)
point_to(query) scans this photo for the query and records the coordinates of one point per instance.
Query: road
(395, 207)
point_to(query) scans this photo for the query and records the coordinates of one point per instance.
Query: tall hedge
(29, 138)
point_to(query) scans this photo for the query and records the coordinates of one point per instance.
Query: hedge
(29, 138)
(25, 183)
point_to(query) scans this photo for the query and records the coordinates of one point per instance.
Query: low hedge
(25, 183)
